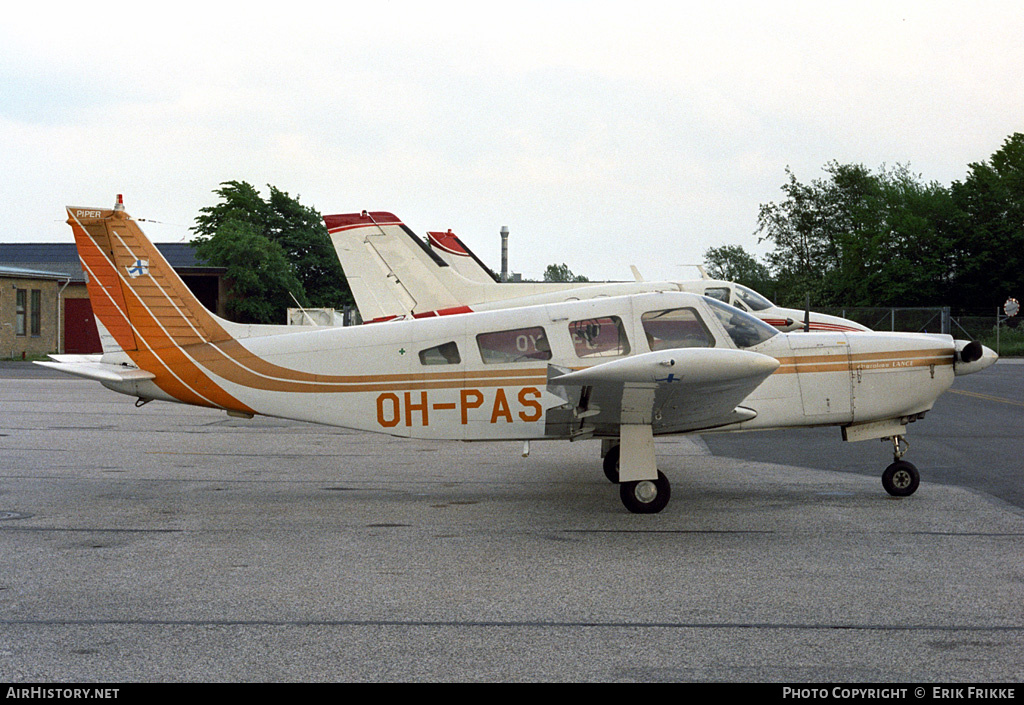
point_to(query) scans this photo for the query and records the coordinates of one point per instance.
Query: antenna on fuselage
(700, 268)
(302, 309)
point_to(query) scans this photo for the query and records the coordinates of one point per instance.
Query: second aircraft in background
(395, 274)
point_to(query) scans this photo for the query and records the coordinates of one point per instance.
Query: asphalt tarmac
(170, 543)
(974, 438)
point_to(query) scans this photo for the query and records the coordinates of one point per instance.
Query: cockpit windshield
(753, 300)
(745, 330)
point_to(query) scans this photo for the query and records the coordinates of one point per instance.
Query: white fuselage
(393, 378)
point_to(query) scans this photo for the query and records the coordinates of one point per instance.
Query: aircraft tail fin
(455, 252)
(375, 247)
(417, 281)
(137, 298)
(159, 342)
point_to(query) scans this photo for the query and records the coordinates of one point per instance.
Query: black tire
(611, 465)
(901, 479)
(646, 496)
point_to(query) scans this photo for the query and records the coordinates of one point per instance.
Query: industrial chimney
(504, 253)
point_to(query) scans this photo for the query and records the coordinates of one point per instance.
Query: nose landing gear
(901, 478)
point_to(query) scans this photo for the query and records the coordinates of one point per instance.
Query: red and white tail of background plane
(397, 276)
(454, 251)
(622, 369)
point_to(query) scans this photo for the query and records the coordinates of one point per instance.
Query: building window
(34, 310)
(19, 311)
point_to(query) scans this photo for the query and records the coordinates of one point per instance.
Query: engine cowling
(972, 356)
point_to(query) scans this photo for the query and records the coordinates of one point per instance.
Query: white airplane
(623, 369)
(393, 274)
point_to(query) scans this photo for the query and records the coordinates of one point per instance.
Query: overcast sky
(601, 134)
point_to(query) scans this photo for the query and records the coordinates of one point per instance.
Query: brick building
(44, 304)
(30, 313)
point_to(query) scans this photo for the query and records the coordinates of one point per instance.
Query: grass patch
(28, 358)
(1011, 341)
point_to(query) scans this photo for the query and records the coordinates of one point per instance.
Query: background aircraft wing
(672, 390)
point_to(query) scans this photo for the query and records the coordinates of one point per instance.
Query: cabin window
(676, 328)
(518, 345)
(446, 354)
(718, 292)
(753, 300)
(599, 337)
(745, 330)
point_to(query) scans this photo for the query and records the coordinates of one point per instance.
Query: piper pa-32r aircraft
(393, 274)
(624, 369)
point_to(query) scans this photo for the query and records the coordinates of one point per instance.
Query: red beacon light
(119, 205)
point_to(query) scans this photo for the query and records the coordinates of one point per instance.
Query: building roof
(22, 273)
(61, 258)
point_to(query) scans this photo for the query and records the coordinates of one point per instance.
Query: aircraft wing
(672, 390)
(90, 367)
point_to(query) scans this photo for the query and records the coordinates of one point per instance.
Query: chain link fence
(993, 328)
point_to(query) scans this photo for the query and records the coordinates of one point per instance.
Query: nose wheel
(901, 478)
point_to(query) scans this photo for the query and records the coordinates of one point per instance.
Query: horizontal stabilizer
(90, 367)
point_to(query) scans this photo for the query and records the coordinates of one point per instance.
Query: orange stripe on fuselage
(864, 361)
(231, 361)
(181, 339)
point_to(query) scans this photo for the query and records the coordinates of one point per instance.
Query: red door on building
(80, 334)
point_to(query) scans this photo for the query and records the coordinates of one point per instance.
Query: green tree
(300, 230)
(989, 232)
(562, 273)
(262, 279)
(860, 238)
(274, 249)
(913, 253)
(733, 263)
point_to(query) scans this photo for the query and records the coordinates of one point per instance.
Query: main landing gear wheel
(611, 465)
(646, 496)
(901, 479)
